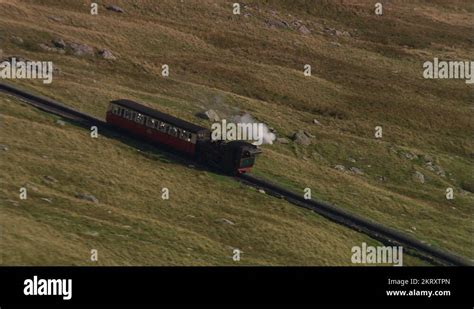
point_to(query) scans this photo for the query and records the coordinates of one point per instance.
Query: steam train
(186, 138)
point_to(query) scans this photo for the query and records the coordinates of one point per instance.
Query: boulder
(107, 54)
(115, 8)
(304, 30)
(225, 221)
(87, 197)
(301, 138)
(17, 40)
(282, 140)
(276, 24)
(356, 170)
(50, 179)
(418, 177)
(81, 49)
(210, 115)
(59, 43)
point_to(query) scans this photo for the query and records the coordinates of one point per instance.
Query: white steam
(267, 136)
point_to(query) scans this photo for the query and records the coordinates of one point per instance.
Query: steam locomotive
(194, 141)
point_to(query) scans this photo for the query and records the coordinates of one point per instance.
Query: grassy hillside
(367, 74)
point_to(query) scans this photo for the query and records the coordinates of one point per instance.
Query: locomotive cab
(243, 156)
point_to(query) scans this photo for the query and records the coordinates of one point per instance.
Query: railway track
(377, 231)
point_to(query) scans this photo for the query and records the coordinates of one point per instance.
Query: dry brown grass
(234, 63)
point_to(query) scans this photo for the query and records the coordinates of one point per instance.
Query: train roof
(188, 126)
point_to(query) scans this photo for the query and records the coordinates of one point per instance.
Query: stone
(115, 8)
(210, 115)
(50, 179)
(301, 138)
(261, 191)
(17, 40)
(410, 156)
(356, 170)
(282, 140)
(48, 48)
(87, 197)
(304, 30)
(60, 122)
(81, 49)
(276, 24)
(418, 177)
(107, 54)
(225, 221)
(3, 147)
(340, 167)
(59, 43)
(315, 121)
(56, 18)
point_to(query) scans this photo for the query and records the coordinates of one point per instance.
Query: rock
(210, 115)
(115, 8)
(315, 121)
(468, 185)
(352, 160)
(92, 233)
(435, 168)
(261, 191)
(304, 30)
(340, 167)
(56, 18)
(382, 178)
(427, 158)
(51, 49)
(60, 122)
(107, 54)
(87, 197)
(276, 24)
(356, 171)
(247, 15)
(418, 177)
(3, 147)
(410, 156)
(31, 186)
(81, 49)
(301, 138)
(308, 134)
(225, 221)
(336, 44)
(45, 47)
(50, 179)
(17, 40)
(59, 43)
(282, 140)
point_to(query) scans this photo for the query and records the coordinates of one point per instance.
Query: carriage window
(173, 131)
(163, 127)
(139, 118)
(183, 135)
(150, 122)
(126, 114)
(115, 110)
